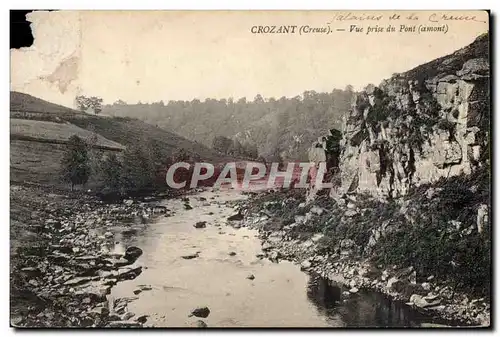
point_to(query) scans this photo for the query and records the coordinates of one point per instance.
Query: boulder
(200, 224)
(159, 209)
(317, 210)
(305, 265)
(132, 253)
(190, 256)
(392, 283)
(426, 286)
(274, 257)
(79, 280)
(236, 217)
(202, 312)
(474, 68)
(424, 302)
(128, 273)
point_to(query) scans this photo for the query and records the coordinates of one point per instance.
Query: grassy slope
(128, 131)
(23, 102)
(23, 128)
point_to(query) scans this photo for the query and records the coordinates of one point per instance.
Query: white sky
(151, 55)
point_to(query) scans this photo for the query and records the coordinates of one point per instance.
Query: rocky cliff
(416, 127)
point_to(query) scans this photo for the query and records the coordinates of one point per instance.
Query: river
(279, 295)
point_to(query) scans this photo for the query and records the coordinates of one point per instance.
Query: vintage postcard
(243, 169)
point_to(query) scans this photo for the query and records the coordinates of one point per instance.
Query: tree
(85, 104)
(222, 144)
(138, 170)
(111, 169)
(75, 162)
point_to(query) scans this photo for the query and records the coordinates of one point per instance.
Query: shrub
(75, 163)
(432, 245)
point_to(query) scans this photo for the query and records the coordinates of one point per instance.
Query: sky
(150, 56)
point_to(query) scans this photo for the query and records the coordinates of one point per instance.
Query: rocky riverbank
(62, 261)
(425, 293)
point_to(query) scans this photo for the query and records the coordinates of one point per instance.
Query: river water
(280, 295)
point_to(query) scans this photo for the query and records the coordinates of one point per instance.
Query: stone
(128, 202)
(317, 210)
(232, 253)
(236, 217)
(426, 286)
(200, 224)
(424, 302)
(160, 209)
(199, 324)
(202, 312)
(274, 256)
(251, 277)
(300, 219)
(413, 277)
(124, 324)
(79, 280)
(142, 319)
(482, 217)
(392, 282)
(316, 237)
(305, 265)
(132, 253)
(99, 311)
(478, 66)
(347, 243)
(190, 256)
(128, 273)
(350, 213)
(353, 290)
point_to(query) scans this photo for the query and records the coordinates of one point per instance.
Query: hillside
(284, 126)
(43, 131)
(21, 102)
(40, 129)
(129, 131)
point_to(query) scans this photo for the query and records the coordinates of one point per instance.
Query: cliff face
(416, 127)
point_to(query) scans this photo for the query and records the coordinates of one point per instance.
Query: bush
(433, 250)
(433, 245)
(75, 163)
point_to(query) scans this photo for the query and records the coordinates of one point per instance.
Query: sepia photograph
(250, 169)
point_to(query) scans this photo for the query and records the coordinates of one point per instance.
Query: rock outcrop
(416, 127)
